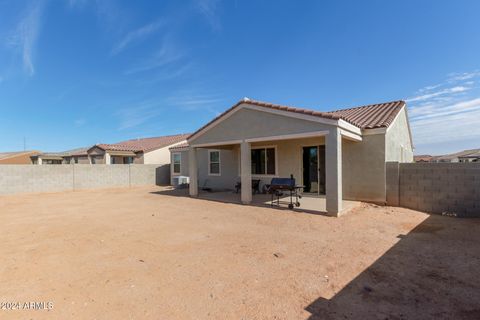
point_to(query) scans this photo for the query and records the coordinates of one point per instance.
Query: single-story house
(139, 151)
(19, 157)
(77, 156)
(471, 155)
(341, 153)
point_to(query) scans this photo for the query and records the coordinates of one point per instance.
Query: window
(112, 160)
(128, 160)
(214, 162)
(177, 160)
(264, 161)
(75, 160)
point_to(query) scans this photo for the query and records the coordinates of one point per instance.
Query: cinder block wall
(53, 178)
(435, 187)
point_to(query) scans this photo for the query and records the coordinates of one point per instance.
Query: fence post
(393, 183)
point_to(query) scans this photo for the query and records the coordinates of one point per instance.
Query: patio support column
(333, 157)
(108, 158)
(246, 172)
(193, 171)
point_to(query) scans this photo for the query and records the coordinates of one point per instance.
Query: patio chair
(255, 186)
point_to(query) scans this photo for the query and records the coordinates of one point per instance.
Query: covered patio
(309, 203)
(280, 133)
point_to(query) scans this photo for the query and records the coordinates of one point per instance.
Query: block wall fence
(16, 179)
(442, 188)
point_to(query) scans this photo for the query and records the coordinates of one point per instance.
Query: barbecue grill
(278, 186)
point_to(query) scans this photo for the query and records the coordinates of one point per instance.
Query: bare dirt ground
(145, 253)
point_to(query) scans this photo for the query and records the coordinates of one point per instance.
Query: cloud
(446, 112)
(24, 37)
(139, 114)
(143, 112)
(209, 8)
(166, 55)
(137, 35)
(453, 90)
(80, 122)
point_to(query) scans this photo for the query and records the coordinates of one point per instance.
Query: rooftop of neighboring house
(423, 158)
(462, 154)
(7, 155)
(68, 153)
(144, 144)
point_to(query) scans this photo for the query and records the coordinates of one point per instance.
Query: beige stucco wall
(159, 156)
(183, 164)
(364, 169)
(398, 145)
(246, 123)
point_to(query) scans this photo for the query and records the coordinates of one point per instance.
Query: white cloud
(24, 38)
(453, 90)
(166, 55)
(446, 112)
(80, 122)
(137, 35)
(138, 114)
(209, 8)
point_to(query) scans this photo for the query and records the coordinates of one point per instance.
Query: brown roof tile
(145, 144)
(365, 117)
(179, 146)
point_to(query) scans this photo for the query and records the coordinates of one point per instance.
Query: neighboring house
(423, 158)
(141, 151)
(342, 153)
(79, 156)
(21, 157)
(472, 155)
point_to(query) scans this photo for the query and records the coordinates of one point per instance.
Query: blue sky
(75, 73)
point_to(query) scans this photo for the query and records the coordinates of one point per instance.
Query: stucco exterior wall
(183, 165)
(364, 169)
(229, 169)
(398, 146)
(246, 123)
(159, 156)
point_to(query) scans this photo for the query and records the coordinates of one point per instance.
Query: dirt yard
(145, 253)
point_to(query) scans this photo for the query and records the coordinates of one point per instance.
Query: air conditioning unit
(180, 181)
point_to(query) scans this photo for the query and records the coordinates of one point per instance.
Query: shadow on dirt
(431, 273)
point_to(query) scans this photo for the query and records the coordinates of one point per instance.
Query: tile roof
(68, 153)
(371, 116)
(461, 154)
(179, 146)
(379, 115)
(145, 144)
(6, 155)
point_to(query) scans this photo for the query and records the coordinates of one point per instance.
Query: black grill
(278, 186)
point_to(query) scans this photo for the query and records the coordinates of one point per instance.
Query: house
(78, 156)
(423, 158)
(341, 153)
(472, 155)
(21, 157)
(139, 151)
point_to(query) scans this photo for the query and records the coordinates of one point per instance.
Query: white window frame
(173, 163)
(266, 169)
(219, 162)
